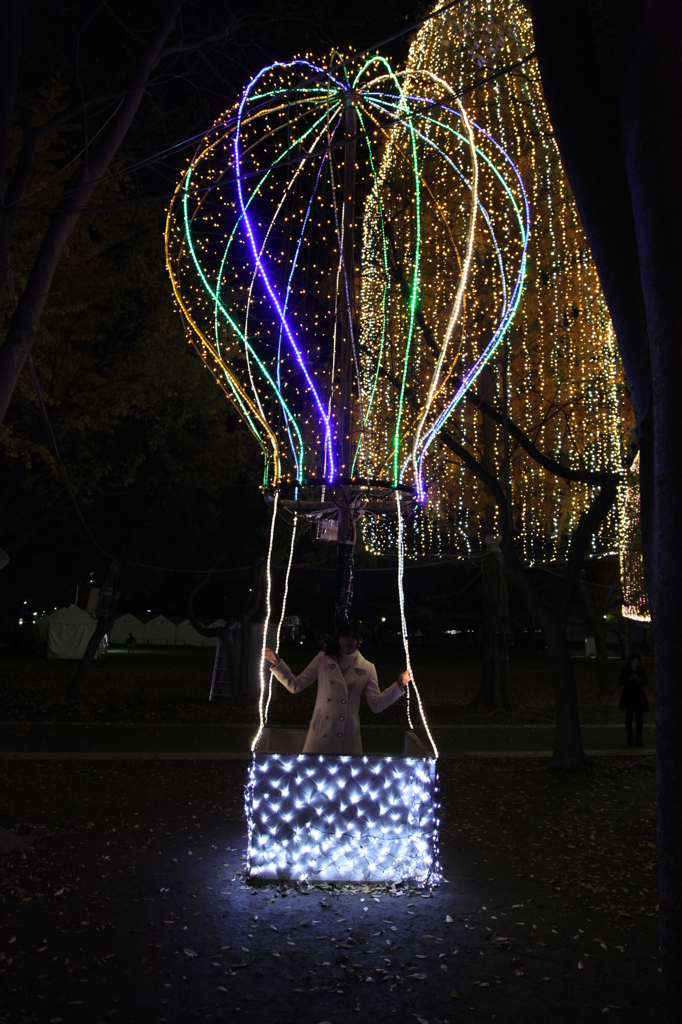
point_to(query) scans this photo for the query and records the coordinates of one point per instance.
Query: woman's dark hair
(351, 627)
(634, 655)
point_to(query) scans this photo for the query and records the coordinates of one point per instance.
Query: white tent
(123, 626)
(187, 636)
(66, 632)
(159, 631)
(217, 624)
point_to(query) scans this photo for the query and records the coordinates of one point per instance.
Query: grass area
(172, 685)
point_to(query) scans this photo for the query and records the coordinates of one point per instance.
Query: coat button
(327, 699)
(324, 735)
(340, 718)
(339, 734)
(343, 702)
(326, 718)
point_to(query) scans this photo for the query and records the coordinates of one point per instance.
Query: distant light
(383, 618)
(21, 622)
(452, 632)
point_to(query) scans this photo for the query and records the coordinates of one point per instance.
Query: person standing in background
(633, 700)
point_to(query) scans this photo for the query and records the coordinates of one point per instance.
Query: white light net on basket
(343, 819)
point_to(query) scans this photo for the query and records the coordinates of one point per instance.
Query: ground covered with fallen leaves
(131, 905)
(173, 684)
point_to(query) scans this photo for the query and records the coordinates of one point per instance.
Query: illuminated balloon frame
(255, 251)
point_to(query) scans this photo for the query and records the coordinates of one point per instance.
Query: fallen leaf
(420, 1019)
(190, 953)
(455, 994)
(58, 892)
(220, 988)
(448, 919)
(247, 995)
(13, 939)
(420, 977)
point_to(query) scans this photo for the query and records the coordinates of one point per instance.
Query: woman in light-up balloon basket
(342, 675)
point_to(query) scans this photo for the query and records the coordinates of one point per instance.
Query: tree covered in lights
(553, 388)
(556, 374)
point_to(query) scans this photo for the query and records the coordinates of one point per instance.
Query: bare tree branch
(22, 329)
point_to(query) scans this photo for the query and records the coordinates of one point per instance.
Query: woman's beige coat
(335, 725)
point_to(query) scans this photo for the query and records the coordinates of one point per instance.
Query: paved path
(131, 741)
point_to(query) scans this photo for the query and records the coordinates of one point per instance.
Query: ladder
(220, 683)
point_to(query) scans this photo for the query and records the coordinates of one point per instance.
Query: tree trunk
(595, 621)
(569, 754)
(10, 51)
(553, 621)
(493, 692)
(228, 641)
(223, 634)
(652, 129)
(105, 620)
(24, 322)
(624, 638)
(244, 620)
(620, 138)
(551, 617)
(85, 664)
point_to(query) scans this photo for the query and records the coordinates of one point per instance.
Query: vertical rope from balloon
(281, 614)
(403, 625)
(266, 623)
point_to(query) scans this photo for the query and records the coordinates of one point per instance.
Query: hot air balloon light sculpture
(345, 402)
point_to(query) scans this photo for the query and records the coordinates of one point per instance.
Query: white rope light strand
(266, 623)
(281, 614)
(403, 625)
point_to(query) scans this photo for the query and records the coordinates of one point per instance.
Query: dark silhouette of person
(131, 642)
(633, 700)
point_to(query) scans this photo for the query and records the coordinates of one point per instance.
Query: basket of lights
(335, 818)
